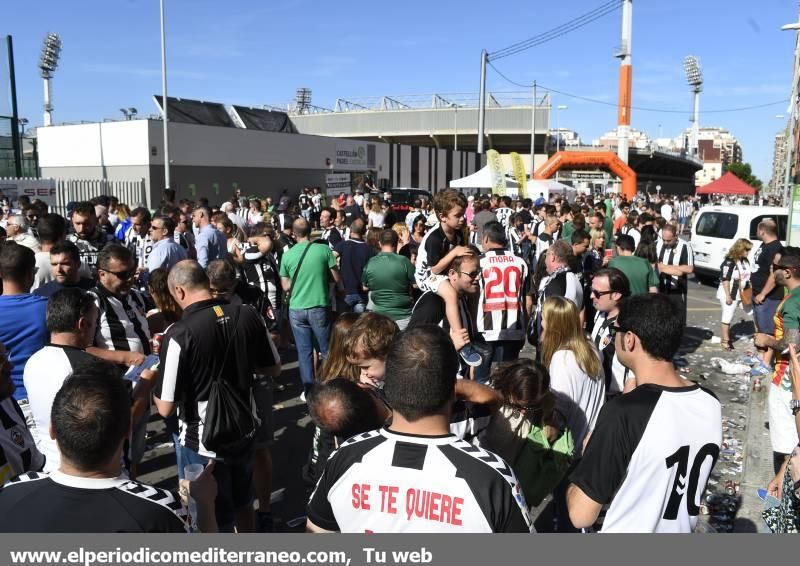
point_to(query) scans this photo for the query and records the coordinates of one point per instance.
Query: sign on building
(337, 183)
(351, 156)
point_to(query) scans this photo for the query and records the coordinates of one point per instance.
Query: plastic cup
(192, 471)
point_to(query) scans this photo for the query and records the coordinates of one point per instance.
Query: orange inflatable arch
(582, 160)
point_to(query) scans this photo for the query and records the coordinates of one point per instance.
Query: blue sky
(259, 52)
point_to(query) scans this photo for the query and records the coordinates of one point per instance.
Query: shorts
(782, 428)
(234, 484)
(764, 315)
(432, 282)
(262, 393)
(682, 220)
(729, 310)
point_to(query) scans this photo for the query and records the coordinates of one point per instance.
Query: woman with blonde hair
(403, 235)
(734, 284)
(576, 373)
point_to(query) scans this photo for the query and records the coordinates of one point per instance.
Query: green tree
(745, 173)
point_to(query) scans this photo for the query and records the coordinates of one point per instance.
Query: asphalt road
(745, 449)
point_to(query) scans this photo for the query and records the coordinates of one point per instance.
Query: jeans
(498, 351)
(356, 303)
(310, 326)
(234, 483)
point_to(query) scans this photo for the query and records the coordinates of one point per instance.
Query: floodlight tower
(302, 100)
(48, 63)
(694, 77)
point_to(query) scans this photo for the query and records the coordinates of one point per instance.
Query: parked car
(716, 228)
(404, 197)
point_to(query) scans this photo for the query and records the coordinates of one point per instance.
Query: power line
(640, 108)
(558, 31)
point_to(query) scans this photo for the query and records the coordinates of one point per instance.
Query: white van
(716, 228)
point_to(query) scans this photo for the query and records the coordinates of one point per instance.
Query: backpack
(231, 425)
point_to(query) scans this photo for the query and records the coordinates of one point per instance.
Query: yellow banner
(496, 172)
(519, 174)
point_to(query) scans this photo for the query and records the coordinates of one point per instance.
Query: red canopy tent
(728, 184)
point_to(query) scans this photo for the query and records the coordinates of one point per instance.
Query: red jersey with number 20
(501, 303)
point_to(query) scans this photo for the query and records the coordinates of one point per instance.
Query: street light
(164, 101)
(22, 122)
(559, 108)
(48, 63)
(694, 77)
(454, 106)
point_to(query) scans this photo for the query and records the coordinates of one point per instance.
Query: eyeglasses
(471, 274)
(597, 294)
(124, 275)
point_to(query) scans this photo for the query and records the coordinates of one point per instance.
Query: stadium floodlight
(48, 63)
(302, 100)
(694, 76)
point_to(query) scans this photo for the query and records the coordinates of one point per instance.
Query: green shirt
(641, 275)
(388, 277)
(566, 231)
(608, 227)
(311, 287)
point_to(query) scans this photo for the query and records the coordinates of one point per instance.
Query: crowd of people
(409, 331)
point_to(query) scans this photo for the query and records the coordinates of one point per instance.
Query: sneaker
(303, 396)
(471, 356)
(750, 360)
(760, 370)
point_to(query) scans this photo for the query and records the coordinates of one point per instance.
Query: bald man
(194, 353)
(306, 270)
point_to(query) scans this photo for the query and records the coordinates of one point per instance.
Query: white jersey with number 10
(501, 303)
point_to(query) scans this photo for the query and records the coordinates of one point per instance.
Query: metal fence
(131, 192)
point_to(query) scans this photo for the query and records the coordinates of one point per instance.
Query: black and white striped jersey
(60, 503)
(18, 451)
(89, 250)
(123, 321)
(140, 246)
(634, 233)
(388, 482)
(681, 254)
(331, 236)
(603, 338)
(503, 215)
(502, 297)
(649, 458)
(261, 271)
(433, 247)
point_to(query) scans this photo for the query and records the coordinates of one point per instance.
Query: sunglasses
(597, 294)
(121, 274)
(471, 274)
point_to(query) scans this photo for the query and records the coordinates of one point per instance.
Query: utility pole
(482, 101)
(533, 129)
(16, 142)
(164, 102)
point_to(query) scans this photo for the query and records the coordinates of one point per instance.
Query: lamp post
(454, 106)
(164, 103)
(559, 108)
(48, 63)
(694, 76)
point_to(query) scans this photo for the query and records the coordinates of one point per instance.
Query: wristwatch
(794, 404)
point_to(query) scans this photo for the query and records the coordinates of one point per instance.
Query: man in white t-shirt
(652, 449)
(71, 321)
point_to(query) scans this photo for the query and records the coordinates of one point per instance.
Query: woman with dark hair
(529, 409)
(647, 245)
(167, 311)
(229, 230)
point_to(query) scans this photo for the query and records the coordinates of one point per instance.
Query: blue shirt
(23, 332)
(165, 254)
(210, 245)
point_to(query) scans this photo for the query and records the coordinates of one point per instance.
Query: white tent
(480, 180)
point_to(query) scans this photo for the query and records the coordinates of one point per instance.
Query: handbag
(746, 296)
(230, 426)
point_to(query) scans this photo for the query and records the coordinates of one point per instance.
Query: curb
(757, 463)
